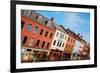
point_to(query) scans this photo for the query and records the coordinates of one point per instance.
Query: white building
(60, 37)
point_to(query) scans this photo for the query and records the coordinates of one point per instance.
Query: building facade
(70, 42)
(36, 33)
(60, 37)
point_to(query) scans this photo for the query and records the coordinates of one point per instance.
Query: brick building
(36, 33)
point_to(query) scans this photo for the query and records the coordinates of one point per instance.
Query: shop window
(28, 49)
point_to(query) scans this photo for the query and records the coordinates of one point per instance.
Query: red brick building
(35, 32)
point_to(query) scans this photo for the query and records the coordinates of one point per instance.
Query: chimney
(52, 19)
(78, 34)
(81, 36)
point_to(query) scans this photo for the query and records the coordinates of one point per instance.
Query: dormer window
(27, 13)
(46, 22)
(39, 18)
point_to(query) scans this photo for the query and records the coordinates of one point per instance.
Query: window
(66, 45)
(61, 35)
(31, 42)
(46, 22)
(22, 50)
(51, 35)
(41, 31)
(35, 29)
(65, 37)
(71, 40)
(46, 34)
(27, 13)
(39, 18)
(43, 44)
(25, 39)
(63, 45)
(37, 43)
(71, 47)
(29, 27)
(48, 45)
(22, 24)
(54, 42)
(57, 34)
(58, 44)
(68, 39)
(28, 49)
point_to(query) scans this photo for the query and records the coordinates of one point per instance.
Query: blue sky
(77, 22)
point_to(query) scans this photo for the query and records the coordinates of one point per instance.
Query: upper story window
(43, 44)
(31, 42)
(58, 43)
(48, 45)
(35, 29)
(54, 42)
(61, 35)
(39, 18)
(24, 40)
(68, 39)
(57, 34)
(63, 45)
(51, 35)
(32, 16)
(46, 22)
(37, 43)
(65, 37)
(46, 34)
(22, 24)
(29, 26)
(27, 13)
(67, 46)
(41, 31)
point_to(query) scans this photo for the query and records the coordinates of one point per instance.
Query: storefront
(34, 55)
(55, 55)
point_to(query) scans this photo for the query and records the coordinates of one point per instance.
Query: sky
(78, 22)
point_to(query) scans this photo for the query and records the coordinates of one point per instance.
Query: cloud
(74, 19)
(77, 23)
